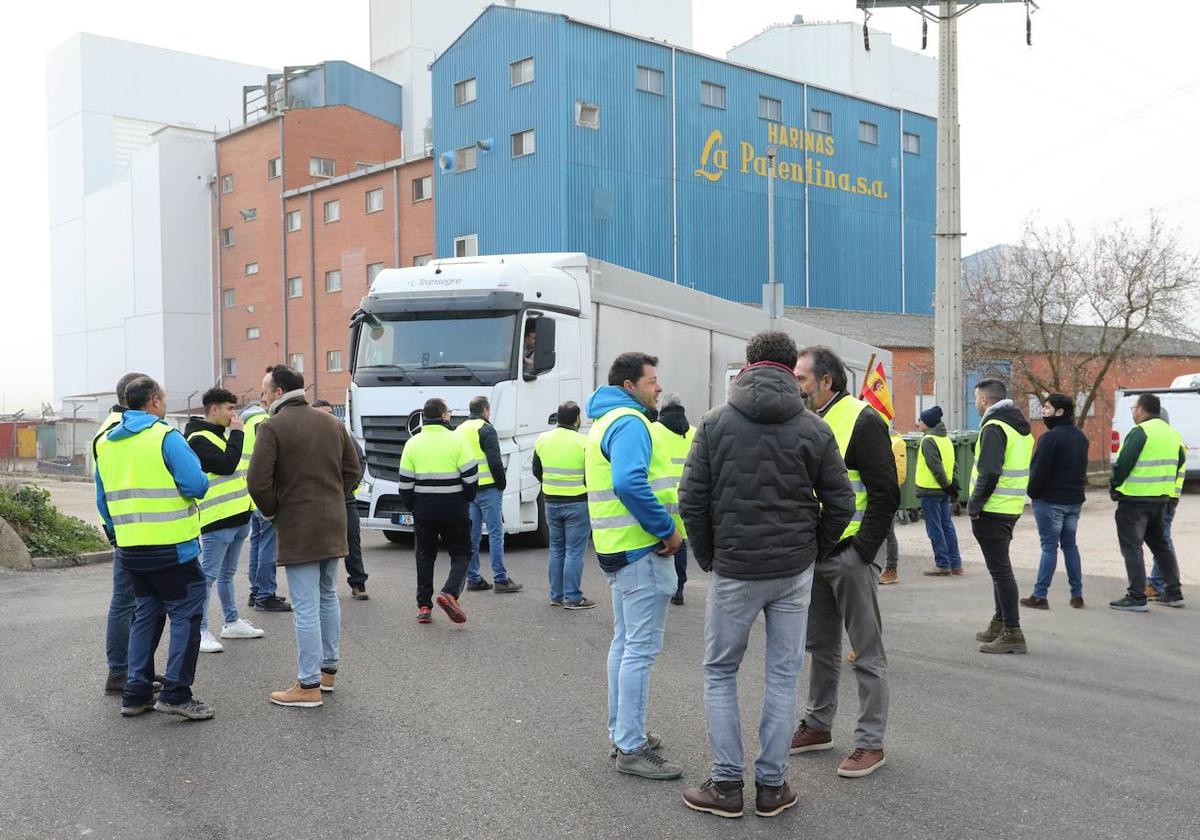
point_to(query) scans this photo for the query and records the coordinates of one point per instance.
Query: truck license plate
(402, 519)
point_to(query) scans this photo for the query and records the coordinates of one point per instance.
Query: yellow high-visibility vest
(562, 453)
(614, 528)
(1008, 496)
(143, 502)
(227, 494)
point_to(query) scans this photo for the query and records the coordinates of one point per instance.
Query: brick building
(313, 199)
(1155, 361)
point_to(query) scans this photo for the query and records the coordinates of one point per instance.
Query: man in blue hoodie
(636, 540)
(148, 482)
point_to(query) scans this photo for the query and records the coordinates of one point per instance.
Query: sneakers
(861, 763)
(1170, 600)
(1035, 603)
(556, 602)
(192, 710)
(994, 629)
(936, 571)
(647, 763)
(242, 629)
(1129, 605)
(359, 593)
(1077, 602)
(299, 696)
(721, 798)
(273, 603)
(508, 585)
(1010, 640)
(771, 800)
(209, 644)
(654, 741)
(807, 739)
(677, 598)
(424, 615)
(1151, 590)
(480, 585)
(581, 604)
(252, 601)
(449, 605)
(137, 709)
(956, 571)
(327, 681)
(889, 576)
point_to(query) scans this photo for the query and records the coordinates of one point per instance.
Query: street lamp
(772, 292)
(75, 416)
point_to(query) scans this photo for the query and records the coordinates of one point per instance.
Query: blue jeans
(939, 525)
(120, 617)
(220, 551)
(260, 567)
(1156, 577)
(177, 591)
(570, 527)
(1057, 525)
(487, 508)
(640, 594)
(733, 607)
(317, 617)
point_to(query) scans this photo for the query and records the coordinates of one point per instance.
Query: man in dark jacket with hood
(764, 496)
(936, 486)
(675, 434)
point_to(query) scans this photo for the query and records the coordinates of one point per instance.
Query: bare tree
(1066, 310)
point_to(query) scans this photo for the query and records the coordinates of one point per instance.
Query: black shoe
(250, 602)
(359, 593)
(581, 604)
(509, 585)
(1169, 600)
(272, 603)
(770, 800)
(677, 598)
(721, 798)
(1129, 605)
(115, 684)
(480, 585)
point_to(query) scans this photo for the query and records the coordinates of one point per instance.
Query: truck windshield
(434, 347)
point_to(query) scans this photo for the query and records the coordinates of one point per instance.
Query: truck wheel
(397, 536)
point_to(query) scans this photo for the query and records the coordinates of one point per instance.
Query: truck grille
(385, 438)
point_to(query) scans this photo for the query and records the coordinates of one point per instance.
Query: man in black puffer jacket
(764, 496)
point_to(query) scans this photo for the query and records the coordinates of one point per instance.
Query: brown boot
(1151, 590)
(770, 800)
(327, 681)
(861, 763)
(1010, 640)
(936, 571)
(807, 739)
(721, 798)
(1077, 602)
(1035, 603)
(994, 629)
(889, 576)
(298, 695)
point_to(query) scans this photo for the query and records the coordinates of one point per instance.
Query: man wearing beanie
(936, 488)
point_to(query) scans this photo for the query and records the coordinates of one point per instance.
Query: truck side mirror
(543, 348)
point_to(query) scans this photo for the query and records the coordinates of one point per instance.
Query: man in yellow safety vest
(487, 507)
(673, 434)
(936, 489)
(558, 457)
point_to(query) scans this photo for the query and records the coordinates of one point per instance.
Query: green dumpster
(964, 459)
(910, 507)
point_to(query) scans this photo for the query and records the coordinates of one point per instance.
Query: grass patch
(46, 532)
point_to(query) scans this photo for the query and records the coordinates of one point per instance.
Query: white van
(1181, 407)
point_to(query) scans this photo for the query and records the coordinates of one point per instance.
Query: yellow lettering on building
(714, 160)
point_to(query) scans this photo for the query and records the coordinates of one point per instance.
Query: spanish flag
(876, 392)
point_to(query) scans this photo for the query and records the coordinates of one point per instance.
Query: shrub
(45, 531)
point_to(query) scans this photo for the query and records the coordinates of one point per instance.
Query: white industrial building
(407, 35)
(130, 130)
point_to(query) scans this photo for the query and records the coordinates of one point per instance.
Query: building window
(251, 268)
(333, 281)
(293, 220)
(520, 72)
(522, 143)
(274, 168)
(251, 333)
(587, 114)
(422, 188)
(466, 246)
(333, 360)
(333, 211)
(372, 272)
(321, 167)
(868, 133)
(464, 159)
(822, 121)
(912, 143)
(770, 109)
(226, 237)
(375, 200)
(295, 287)
(249, 214)
(296, 362)
(650, 80)
(423, 259)
(227, 298)
(712, 95)
(229, 366)
(464, 91)
(226, 184)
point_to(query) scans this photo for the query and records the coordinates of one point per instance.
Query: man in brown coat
(303, 467)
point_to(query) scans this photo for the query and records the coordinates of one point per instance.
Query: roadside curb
(87, 558)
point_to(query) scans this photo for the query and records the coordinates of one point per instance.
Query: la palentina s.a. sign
(714, 161)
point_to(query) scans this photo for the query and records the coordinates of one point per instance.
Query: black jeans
(457, 538)
(356, 575)
(994, 535)
(178, 591)
(1144, 522)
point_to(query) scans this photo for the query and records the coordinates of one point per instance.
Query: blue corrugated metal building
(557, 135)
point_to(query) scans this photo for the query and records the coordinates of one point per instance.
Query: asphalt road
(495, 729)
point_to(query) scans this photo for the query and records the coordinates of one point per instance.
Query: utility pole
(772, 291)
(948, 386)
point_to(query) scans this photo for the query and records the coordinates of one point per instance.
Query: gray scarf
(290, 395)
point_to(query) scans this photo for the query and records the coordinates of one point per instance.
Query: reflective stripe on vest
(841, 419)
(249, 436)
(615, 529)
(470, 432)
(144, 504)
(671, 451)
(562, 453)
(437, 462)
(924, 477)
(1008, 496)
(227, 494)
(1157, 469)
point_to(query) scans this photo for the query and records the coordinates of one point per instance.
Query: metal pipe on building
(772, 302)
(396, 218)
(807, 277)
(218, 304)
(283, 233)
(312, 278)
(674, 177)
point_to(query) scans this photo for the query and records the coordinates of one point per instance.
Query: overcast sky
(1098, 121)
